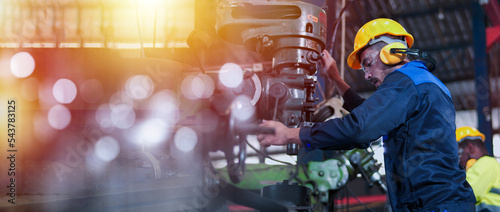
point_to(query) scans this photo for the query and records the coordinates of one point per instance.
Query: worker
(483, 171)
(410, 107)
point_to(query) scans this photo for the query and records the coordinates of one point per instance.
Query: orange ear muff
(469, 164)
(392, 59)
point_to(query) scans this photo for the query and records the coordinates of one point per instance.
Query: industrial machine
(292, 35)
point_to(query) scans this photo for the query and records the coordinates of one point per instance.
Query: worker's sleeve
(480, 177)
(389, 107)
(351, 100)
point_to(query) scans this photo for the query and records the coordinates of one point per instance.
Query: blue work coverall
(415, 110)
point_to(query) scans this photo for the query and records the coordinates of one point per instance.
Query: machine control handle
(252, 129)
(292, 149)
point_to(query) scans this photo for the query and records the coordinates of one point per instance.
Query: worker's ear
(471, 148)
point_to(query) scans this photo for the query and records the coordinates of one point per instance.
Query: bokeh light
(139, 87)
(29, 89)
(103, 117)
(121, 97)
(196, 87)
(242, 108)
(208, 85)
(185, 139)
(64, 91)
(91, 91)
(165, 105)
(22, 64)
(153, 131)
(122, 116)
(192, 87)
(231, 75)
(59, 117)
(107, 148)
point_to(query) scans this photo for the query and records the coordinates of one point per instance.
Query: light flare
(121, 97)
(122, 116)
(185, 139)
(231, 75)
(192, 87)
(165, 105)
(59, 117)
(208, 85)
(107, 148)
(154, 131)
(139, 87)
(103, 117)
(64, 91)
(242, 108)
(22, 64)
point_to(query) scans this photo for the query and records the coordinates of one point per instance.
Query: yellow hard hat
(370, 31)
(469, 133)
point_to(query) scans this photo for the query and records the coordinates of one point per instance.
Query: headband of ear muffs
(386, 56)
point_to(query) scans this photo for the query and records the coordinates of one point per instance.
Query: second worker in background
(483, 171)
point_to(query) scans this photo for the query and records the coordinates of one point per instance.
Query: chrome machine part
(292, 34)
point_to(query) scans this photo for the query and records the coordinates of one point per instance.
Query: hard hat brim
(353, 60)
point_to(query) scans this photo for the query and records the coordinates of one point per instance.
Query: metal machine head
(292, 33)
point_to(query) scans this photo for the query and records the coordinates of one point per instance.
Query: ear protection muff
(386, 56)
(389, 58)
(396, 50)
(469, 164)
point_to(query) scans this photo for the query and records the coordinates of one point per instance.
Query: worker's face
(463, 155)
(375, 70)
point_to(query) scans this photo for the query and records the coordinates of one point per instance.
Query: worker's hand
(330, 71)
(282, 136)
(329, 67)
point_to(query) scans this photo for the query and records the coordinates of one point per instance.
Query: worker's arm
(391, 105)
(352, 100)
(331, 72)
